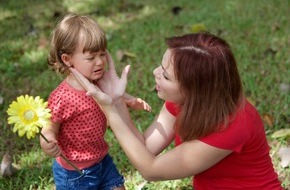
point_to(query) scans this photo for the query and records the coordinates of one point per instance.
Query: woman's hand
(110, 86)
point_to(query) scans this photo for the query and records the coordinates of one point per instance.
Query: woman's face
(167, 85)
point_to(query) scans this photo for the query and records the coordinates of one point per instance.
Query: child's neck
(71, 80)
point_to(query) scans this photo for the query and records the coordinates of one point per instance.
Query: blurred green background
(258, 32)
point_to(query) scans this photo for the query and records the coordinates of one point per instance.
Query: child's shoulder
(60, 88)
(65, 92)
(60, 95)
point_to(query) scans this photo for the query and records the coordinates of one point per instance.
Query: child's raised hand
(138, 104)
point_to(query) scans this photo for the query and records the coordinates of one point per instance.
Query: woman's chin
(160, 95)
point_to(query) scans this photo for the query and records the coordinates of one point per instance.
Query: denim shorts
(103, 175)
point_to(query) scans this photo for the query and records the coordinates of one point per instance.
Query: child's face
(90, 64)
(167, 85)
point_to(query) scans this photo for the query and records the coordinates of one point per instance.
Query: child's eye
(91, 58)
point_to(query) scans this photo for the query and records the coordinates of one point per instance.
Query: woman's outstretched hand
(110, 86)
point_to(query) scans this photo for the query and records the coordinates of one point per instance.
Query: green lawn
(258, 32)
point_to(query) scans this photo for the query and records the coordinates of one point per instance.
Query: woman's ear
(66, 59)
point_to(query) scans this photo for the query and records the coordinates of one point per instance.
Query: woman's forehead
(167, 59)
(167, 64)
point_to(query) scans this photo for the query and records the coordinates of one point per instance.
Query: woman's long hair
(207, 73)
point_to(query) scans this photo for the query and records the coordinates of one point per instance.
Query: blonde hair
(69, 33)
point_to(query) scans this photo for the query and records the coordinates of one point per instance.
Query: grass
(256, 30)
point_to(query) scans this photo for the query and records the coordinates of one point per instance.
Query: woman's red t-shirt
(249, 166)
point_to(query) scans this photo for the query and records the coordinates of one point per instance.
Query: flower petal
(28, 114)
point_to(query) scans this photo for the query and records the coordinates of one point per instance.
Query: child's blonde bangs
(93, 38)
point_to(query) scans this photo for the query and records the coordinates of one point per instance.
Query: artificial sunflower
(28, 114)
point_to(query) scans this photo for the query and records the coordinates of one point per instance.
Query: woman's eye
(165, 76)
(91, 58)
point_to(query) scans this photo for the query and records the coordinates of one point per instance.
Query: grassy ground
(258, 32)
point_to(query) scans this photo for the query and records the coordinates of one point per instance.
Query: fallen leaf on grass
(7, 169)
(199, 27)
(122, 55)
(284, 153)
(268, 119)
(282, 133)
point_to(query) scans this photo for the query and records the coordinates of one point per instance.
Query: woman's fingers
(125, 73)
(111, 64)
(82, 80)
(90, 88)
(93, 90)
(109, 87)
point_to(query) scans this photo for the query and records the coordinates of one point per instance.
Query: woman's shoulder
(172, 108)
(247, 115)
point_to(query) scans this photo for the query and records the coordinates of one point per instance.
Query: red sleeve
(61, 108)
(232, 138)
(172, 108)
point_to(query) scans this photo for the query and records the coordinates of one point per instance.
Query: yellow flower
(28, 114)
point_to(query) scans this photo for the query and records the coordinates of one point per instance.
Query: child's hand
(138, 104)
(51, 148)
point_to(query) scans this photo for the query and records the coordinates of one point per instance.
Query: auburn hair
(208, 77)
(70, 32)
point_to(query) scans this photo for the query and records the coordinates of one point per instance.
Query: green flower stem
(69, 162)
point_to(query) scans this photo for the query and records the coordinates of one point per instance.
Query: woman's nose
(156, 72)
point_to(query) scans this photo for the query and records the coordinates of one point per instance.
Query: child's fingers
(51, 145)
(147, 107)
(52, 149)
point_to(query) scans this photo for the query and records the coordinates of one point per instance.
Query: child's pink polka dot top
(82, 126)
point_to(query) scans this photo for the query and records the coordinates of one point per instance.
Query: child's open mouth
(98, 71)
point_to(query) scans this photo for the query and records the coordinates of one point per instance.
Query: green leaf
(282, 133)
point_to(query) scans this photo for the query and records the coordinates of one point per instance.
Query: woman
(219, 135)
